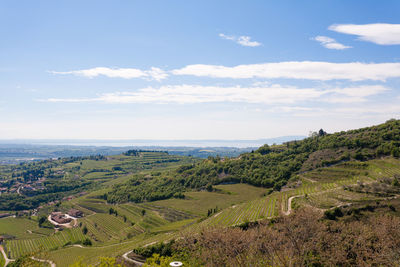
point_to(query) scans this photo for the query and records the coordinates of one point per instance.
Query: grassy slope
(321, 187)
(2, 260)
(199, 202)
(325, 190)
(19, 227)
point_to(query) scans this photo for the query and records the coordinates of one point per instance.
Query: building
(60, 218)
(75, 213)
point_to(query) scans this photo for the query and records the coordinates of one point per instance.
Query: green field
(66, 256)
(114, 234)
(199, 202)
(22, 228)
(20, 247)
(2, 260)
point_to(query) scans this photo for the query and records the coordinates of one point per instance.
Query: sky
(184, 69)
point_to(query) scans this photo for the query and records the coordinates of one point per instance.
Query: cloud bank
(274, 94)
(309, 70)
(124, 73)
(378, 33)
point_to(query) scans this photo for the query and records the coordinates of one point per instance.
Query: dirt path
(5, 256)
(52, 264)
(308, 179)
(290, 205)
(125, 256)
(313, 194)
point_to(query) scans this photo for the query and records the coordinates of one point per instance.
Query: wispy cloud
(378, 33)
(125, 73)
(241, 40)
(330, 43)
(307, 70)
(192, 94)
(310, 70)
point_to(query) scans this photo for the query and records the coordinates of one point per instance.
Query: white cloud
(360, 91)
(330, 43)
(192, 94)
(312, 70)
(125, 73)
(242, 40)
(378, 33)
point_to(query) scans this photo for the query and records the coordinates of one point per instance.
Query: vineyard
(18, 227)
(118, 228)
(270, 206)
(125, 220)
(18, 248)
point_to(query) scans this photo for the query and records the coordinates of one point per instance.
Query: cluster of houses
(24, 187)
(62, 218)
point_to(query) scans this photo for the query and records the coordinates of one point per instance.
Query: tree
(42, 220)
(87, 242)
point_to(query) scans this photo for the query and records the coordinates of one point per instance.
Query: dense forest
(268, 166)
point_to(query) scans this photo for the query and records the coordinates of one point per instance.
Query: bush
(87, 242)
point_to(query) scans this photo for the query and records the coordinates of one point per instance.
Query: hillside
(31, 184)
(136, 204)
(269, 166)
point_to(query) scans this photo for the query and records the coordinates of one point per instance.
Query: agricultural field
(22, 228)
(90, 255)
(19, 247)
(108, 223)
(198, 203)
(380, 168)
(118, 228)
(260, 207)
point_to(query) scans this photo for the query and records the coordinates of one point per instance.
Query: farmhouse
(60, 218)
(75, 213)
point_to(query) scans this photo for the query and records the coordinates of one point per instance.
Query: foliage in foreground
(303, 239)
(104, 262)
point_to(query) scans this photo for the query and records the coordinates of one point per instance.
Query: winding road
(290, 205)
(125, 256)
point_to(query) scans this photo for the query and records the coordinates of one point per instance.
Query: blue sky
(196, 69)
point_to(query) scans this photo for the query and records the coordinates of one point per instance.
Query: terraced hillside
(322, 188)
(21, 247)
(348, 170)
